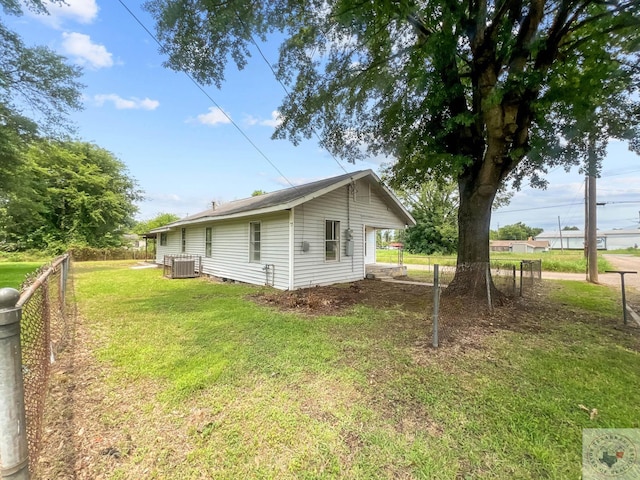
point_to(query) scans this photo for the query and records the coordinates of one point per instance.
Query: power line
(206, 94)
(284, 87)
(537, 208)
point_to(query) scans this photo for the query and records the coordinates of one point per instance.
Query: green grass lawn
(553, 261)
(12, 274)
(202, 382)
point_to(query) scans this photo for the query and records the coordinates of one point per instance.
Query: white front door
(369, 245)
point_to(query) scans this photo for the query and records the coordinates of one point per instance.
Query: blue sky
(184, 153)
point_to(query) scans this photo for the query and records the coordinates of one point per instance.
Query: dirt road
(619, 262)
(625, 263)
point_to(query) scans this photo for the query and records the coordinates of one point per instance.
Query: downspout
(292, 250)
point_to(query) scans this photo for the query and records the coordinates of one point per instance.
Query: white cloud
(274, 121)
(85, 52)
(250, 120)
(214, 117)
(132, 103)
(80, 11)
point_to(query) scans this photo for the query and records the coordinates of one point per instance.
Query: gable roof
(288, 198)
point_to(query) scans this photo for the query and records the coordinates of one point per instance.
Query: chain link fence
(45, 329)
(482, 286)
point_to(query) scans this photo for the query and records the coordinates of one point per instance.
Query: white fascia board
(161, 229)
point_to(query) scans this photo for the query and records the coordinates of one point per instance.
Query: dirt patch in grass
(462, 324)
(337, 299)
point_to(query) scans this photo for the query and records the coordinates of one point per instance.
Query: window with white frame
(163, 239)
(207, 241)
(332, 240)
(254, 241)
(183, 239)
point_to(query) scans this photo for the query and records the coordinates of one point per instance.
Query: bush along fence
(492, 282)
(35, 326)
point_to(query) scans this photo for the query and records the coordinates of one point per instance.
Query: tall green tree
(517, 231)
(434, 206)
(481, 91)
(159, 220)
(37, 91)
(73, 193)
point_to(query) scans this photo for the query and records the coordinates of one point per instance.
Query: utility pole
(592, 231)
(586, 222)
(560, 231)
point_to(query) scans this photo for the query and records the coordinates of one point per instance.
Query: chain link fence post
(487, 281)
(14, 453)
(436, 302)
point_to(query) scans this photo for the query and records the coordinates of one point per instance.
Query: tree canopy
(37, 90)
(70, 193)
(434, 207)
(484, 92)
(517, 231)
(159, 220)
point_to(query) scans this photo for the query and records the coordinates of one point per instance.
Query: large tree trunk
(477, 191)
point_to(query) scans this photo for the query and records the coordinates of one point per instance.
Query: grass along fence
(36, 328)
(13, 274)
(195, 379)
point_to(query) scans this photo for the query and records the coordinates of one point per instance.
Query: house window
(163, 239)
(183, 237)
(332, 240)
(207, 242)
(254, 242)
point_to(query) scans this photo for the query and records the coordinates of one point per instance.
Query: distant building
(607, 239)
(519, 246)
(134, 241)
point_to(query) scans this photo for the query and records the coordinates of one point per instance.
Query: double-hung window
(254, 241)
(332, 241)
(207, 242)
(163, 239)
(183, 240)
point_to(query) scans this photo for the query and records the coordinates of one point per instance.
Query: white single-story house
(607, 239)
(319, 233)
(519, 246)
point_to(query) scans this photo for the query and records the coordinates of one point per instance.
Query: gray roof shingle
(286, 198)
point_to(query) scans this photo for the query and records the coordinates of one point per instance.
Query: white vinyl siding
(230, 250)
(368, 209)
(172, 246)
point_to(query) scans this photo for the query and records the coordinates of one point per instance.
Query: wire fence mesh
(45, 330)
(463, 292)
